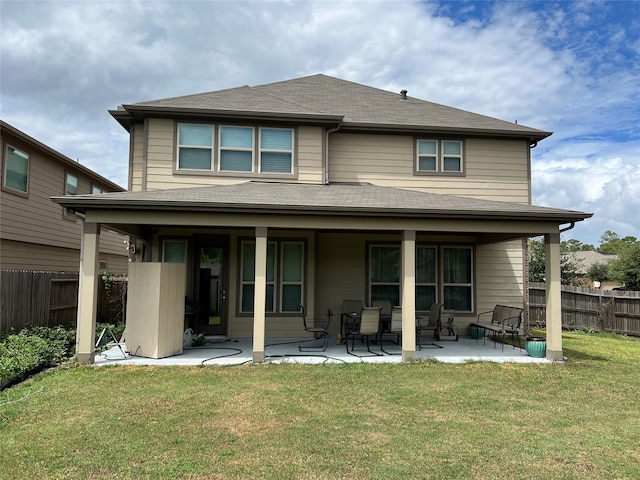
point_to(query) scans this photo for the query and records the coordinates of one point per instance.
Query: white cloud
(571, 68)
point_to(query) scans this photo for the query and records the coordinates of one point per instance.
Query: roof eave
(460, 214)
(532, 134)
(128, 113)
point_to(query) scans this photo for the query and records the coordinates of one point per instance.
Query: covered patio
(223, 352)
(333, 229)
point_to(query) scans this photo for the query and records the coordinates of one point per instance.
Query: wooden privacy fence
(589, 309)
(51, 298)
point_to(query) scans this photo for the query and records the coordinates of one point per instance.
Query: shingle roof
(322, 96)
(361, 199)
(587, 258)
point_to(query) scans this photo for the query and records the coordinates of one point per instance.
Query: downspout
(326, 152)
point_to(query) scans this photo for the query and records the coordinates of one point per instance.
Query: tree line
(625, 269)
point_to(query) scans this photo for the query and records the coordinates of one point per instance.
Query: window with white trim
(426, 277)
(285, 276)
(16, 169)
(451, 284)
(439, 156)
(71, 185)
(457, 278)
(276, 150)
(228, 149)
(236, 149)
(195, 147)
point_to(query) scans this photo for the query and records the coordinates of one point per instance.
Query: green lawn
(355, 421)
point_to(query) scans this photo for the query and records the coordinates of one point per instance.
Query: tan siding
(499, 275)
(30, 256)
(495, 169)
(36, 220)
(161, 157)
(276, 326)
(341, 273)
(310, 157)
(137, 161)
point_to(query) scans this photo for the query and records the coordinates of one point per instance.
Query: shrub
(61, 340)
(22, 353)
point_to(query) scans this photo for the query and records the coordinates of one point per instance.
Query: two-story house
(315, 190)
(35, 233)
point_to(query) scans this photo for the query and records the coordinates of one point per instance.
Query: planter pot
(476, 332)
(536, 347)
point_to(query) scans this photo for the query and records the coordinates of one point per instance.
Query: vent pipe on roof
(403, 93)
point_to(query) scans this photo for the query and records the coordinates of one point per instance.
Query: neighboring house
(35, 233)
(584, 260)
(316, 190)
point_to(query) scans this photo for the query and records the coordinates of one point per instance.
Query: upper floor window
(16, 169)
(276, 150)
(235, 149)
(71, 185)
(439, 156)
(195, 147)
(96, 190)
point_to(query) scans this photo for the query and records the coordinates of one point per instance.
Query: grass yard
(358, 421)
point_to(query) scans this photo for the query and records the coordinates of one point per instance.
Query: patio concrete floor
(228, 352)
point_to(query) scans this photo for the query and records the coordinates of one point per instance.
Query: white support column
(554, 296)
(88, 293)
(259, 295)
(408, 295)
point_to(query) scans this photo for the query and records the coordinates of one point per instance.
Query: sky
(570, 67)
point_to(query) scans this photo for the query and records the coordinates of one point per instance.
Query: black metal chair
(319, 329)
(394, 328)
(434, 323)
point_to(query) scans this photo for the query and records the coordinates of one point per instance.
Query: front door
(212, 268)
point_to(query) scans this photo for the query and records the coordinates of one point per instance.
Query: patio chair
(350, 311)
(434, 323)
(319, 329)
(394, 328)
(385, 312)
(367, 326)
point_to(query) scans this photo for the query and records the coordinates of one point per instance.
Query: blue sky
(563, 66)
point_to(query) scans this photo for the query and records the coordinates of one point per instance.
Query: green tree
(599, 272)
(568, 264)
(612, 244)
(626, 269)
(573, 245)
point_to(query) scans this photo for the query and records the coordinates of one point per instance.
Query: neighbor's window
(236, 149)
(16, 169)
(174, 251)
(276, 150)
(71, 185)
(439, 156)
(285, 276)
(457, 278)
(195, 147)
(96, 190)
